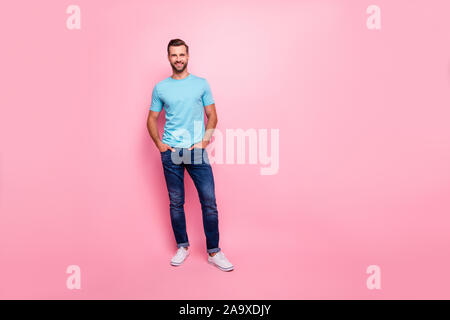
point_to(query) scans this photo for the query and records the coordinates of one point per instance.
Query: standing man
(184, 96)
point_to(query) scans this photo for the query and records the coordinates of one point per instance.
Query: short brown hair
(175, 43)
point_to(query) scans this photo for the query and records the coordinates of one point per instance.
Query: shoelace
(220, 255)
(180, 252)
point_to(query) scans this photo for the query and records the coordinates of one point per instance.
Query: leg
(201, 173)
(174, 175)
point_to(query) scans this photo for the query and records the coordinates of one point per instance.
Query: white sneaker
(179, 257)
(220, 261)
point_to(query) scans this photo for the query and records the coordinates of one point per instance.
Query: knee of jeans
(176, 200)
(209, 200)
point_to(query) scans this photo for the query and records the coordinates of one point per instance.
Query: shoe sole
(175, 264)
(223, 269)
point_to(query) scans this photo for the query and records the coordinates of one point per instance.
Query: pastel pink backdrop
(364, 173)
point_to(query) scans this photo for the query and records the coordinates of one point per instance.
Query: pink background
(364, 173)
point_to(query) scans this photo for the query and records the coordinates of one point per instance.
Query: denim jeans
(197, 164)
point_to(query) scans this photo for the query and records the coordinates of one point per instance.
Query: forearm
(152, 127)
(210, 126)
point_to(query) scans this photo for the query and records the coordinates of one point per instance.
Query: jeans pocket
(163, 153)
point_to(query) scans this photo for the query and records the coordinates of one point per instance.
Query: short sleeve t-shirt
(183, 101)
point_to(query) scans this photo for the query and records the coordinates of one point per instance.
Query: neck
(179, 76)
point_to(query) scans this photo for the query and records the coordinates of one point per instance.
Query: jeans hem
(213, 250)
(184, 244)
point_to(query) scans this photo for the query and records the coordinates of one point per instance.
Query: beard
(180, 70)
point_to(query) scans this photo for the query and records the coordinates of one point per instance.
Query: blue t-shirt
(183, 101)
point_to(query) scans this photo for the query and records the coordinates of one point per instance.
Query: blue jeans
(197, 164)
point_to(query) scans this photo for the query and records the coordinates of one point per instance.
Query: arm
(152, 126)
(211, 124)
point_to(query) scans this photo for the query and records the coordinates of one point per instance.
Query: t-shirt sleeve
(157, 103)
(207, 97)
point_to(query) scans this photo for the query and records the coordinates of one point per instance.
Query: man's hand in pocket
(200, 145)
(163, 147)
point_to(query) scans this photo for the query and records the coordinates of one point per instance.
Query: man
(184, 95)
